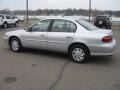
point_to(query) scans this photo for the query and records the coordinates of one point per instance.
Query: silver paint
(60, 41)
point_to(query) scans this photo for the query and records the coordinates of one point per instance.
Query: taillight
(107, 39)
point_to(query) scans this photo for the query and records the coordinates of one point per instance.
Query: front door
(36, 36)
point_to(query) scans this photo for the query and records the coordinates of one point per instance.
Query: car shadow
(104, 60)
(96, 60)
(45, 53)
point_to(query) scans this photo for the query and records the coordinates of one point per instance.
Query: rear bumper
(103, 49)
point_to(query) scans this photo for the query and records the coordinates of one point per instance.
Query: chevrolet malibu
(78, 38)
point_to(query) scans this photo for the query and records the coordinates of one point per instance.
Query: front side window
(63, 26)
(41, 26)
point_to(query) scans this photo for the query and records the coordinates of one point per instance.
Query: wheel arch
(16, 21)
(5, 22)
(77, 43)
(13, 37)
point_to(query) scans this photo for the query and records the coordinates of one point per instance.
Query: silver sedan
(78, 38)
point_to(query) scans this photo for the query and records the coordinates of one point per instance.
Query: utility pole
(89, 9)
(27, 12)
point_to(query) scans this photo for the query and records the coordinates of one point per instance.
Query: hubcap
(15, 45)
(78, 54)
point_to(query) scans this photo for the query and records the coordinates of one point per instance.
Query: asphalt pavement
(45, 70)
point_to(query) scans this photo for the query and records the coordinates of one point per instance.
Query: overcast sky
(60, 4)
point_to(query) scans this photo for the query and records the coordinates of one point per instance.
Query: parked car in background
(15, 18)
(6, 20)
(78, 38)
(21, 18)
(103, 21)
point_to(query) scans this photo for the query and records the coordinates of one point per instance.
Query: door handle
(68, 36)
(42, 35)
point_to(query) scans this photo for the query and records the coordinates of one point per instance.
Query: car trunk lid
(103, 31)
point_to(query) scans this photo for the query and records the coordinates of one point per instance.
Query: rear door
(61, 35)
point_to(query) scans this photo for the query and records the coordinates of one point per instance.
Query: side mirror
(28, 30)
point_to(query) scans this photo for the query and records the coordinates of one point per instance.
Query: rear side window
(63, 26)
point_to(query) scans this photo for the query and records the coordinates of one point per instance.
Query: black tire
(18, 42)
(5, 25)
(84, 53)
(16, 24)
(109, 27)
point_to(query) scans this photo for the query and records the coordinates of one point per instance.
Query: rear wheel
(15, 44)
(79, 53)
(16, 24)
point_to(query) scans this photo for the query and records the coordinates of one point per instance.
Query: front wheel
(15, 45)
(79, 53)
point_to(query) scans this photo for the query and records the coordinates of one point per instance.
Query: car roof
(63, 18)
(103, 15)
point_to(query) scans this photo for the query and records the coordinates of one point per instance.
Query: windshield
(87, 25)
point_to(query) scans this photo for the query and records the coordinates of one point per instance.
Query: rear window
(86, 25)
(101, 18)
